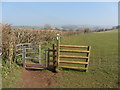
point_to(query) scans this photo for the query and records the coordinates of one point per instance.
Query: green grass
(103, 68)
(11, 76)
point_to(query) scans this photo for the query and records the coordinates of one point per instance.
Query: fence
(32, 55)
(63, 56)
(82, 59)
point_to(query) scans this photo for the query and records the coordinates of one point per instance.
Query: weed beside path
(11, 77)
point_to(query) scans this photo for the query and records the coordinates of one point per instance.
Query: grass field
(103, 68)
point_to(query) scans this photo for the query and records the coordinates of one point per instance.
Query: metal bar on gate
(23, 56)
(48, 58)
(45, 59)
(33, 53)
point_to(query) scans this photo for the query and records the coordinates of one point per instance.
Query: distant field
(103, 68)
(112, 31)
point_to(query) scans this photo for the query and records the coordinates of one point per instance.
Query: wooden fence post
(54, 55)
(58, 50)
(39, 51)
(88, 55)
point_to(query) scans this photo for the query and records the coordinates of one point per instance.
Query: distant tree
(87, 30)
(47, 27)
(64, 30)
(69, 27)
(106, 29)
(100, 30)
(56, 28)
(77, 30)
(118, 27)
(71, 30)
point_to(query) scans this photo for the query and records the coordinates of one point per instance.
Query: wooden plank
(81, 68)
(73, 62)
(68, 56)
(31, 64)
(34, 68)
(73, 46)
(75, 51)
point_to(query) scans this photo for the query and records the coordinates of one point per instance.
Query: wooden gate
(75, 57)
(32, 56)
(71, 56)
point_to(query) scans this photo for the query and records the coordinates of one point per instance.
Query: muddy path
(38, 78)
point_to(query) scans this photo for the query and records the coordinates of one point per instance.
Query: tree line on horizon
(72, 28)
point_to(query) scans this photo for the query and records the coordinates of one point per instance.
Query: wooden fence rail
(73, 46)
(72, 56)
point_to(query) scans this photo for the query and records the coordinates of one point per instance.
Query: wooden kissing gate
(34, 56)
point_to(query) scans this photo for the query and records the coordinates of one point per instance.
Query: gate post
(58, 50)
(88, 55)
(54, 55)
(39, 51)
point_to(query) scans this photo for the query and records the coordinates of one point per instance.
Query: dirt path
(38, 79)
